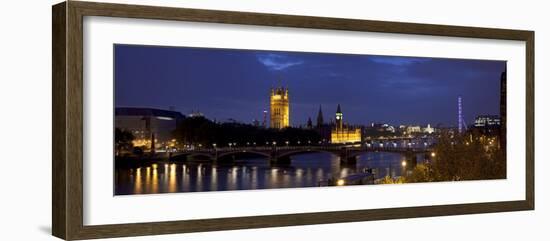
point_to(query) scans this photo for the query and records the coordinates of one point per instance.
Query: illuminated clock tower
(279, 108)
(341, 134)
(339, 118)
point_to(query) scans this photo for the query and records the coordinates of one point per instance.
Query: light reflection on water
(305, 170)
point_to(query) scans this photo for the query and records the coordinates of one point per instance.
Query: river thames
(304, 170)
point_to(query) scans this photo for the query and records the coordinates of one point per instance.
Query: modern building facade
(152, 128)
(279, 108)
(488, 124)
(487, 121)
(344, 134)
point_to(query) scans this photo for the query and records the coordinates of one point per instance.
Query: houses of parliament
(280, 118)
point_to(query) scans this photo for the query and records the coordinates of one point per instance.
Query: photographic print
(190, 119)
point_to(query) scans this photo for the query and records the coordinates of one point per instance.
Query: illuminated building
(413, 129)
(279, 108)
(378, 127)
(429, 129)
(486, 121)
(195, 114)
(150, 127)
(488, 125)
(342, 133)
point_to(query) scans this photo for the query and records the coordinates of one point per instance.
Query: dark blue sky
(226, 83)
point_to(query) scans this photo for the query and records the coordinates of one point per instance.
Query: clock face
(338, 117)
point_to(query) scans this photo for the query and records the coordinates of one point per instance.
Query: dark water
(305, 170)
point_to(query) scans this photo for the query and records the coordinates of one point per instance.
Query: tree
(389, 180)
(420, 173)
(123, 141)
(470, 156)
(199, 130)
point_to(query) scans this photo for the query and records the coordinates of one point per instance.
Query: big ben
(343, 133)
(279, 108)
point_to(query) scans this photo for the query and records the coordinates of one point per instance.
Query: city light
(401, 134)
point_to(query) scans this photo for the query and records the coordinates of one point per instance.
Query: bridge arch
(287, 154)
(243, 152)
(201, 154)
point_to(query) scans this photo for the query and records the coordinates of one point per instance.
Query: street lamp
(404, 163)
(433, 154)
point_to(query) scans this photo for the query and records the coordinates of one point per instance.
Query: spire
(320, 120)
(338, 110)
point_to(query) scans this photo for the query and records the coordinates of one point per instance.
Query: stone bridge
(282, 154)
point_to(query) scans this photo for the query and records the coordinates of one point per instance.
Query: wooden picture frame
(67, 76)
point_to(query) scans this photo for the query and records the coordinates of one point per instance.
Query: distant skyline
(235, 84)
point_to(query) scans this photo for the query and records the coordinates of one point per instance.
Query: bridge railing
(290, 148)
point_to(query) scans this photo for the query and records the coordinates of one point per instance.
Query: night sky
(227, 83)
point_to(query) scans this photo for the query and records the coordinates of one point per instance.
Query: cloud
(278, 62)
(398, 61)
